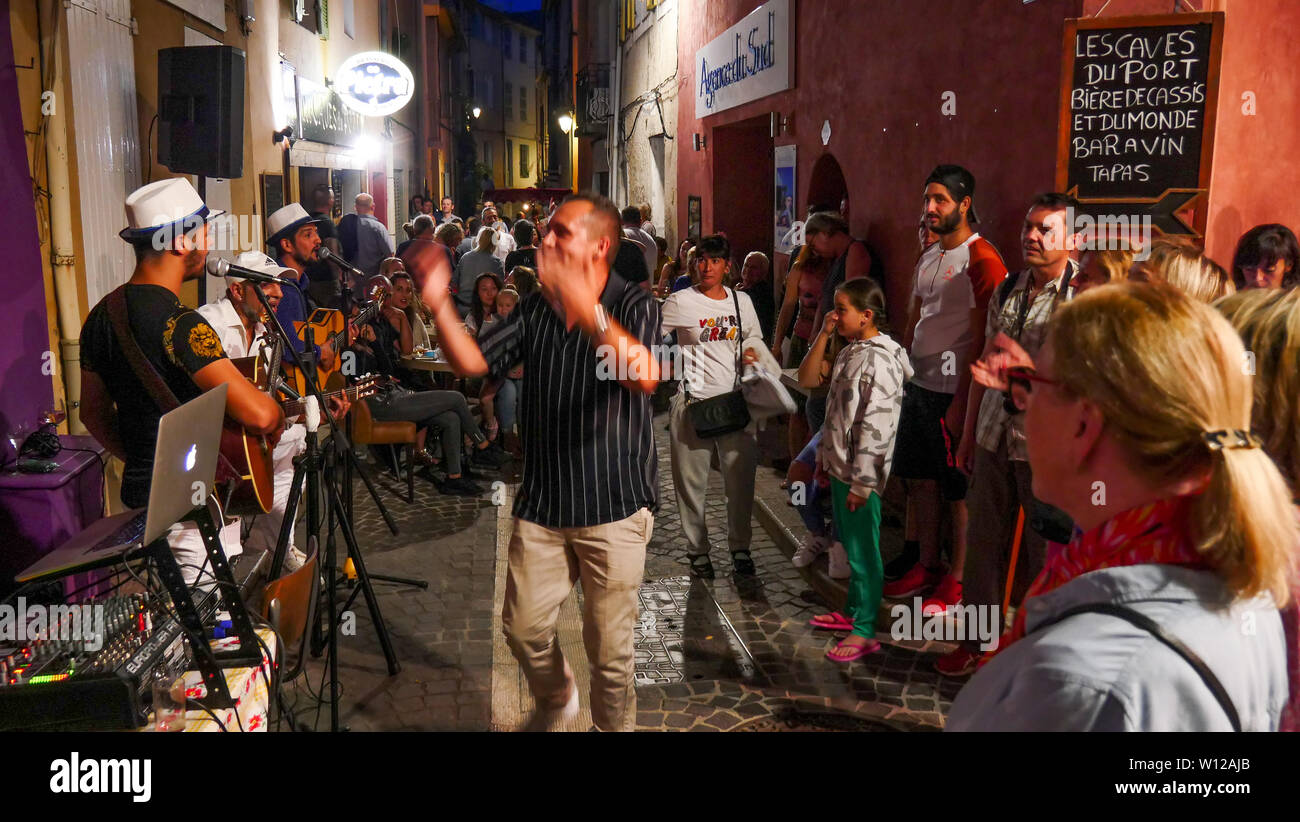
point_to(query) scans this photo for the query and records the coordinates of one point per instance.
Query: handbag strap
(140, 365)
(740, 338)
(1154, 628)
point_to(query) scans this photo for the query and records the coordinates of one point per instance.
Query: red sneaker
(960, 662)
(946, 595)
(912, 583)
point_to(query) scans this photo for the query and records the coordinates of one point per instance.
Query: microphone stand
(311, 469)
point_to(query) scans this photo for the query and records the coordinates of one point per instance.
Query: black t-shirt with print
(177, 341)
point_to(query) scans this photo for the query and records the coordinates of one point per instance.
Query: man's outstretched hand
(1004, 353)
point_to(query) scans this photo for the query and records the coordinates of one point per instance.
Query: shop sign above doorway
(324, 116)
(752, 59)
(374, 84)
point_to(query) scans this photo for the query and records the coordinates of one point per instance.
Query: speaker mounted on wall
(201, 110)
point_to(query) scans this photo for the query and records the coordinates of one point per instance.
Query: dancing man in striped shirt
(585, 507)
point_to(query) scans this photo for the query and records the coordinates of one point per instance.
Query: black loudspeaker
(201, 110)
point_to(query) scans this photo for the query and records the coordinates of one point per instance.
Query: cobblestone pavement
(442, 636)
(733, 653)
(747, 657)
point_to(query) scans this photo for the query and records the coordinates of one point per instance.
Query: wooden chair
(366, 430)
(289, 604)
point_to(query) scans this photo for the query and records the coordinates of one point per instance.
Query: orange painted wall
(879, 77)
(1256, 173)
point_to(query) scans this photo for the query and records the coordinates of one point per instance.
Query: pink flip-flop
(840, 623)
(858, 653)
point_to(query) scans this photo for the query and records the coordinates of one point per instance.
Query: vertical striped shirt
(589, 451)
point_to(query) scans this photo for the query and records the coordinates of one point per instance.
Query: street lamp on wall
(568, 126)
(476, 111)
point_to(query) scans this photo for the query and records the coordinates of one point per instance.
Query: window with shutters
(523, 104)
(510, 152)
(510, 101)
(507, 43)
(523, 47)
(523, 161)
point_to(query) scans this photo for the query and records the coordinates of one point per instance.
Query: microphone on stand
(218, 267)
(324, 254)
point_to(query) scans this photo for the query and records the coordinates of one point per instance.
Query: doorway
(826, 186)
(744, 169)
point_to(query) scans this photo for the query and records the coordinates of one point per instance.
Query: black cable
(148, 147)
(210, 713)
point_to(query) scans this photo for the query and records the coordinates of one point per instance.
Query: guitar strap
(159, 392)
(148, 376)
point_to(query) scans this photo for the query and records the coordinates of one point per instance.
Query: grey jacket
(1094, 672)
(862, 410)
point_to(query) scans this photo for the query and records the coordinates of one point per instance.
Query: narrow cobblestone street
(733, 653)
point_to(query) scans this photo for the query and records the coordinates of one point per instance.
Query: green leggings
(860, 534)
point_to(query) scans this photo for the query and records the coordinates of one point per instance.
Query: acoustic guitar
(248, 455)
(327, 325)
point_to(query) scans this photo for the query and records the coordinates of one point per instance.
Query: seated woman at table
(405, 301)
(446, 411)
(483, 311)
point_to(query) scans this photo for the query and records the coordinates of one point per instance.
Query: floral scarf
(1152, 533)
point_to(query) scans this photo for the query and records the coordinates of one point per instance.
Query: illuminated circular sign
(374, 83)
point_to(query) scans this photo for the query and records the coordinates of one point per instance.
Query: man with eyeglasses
(992, 446)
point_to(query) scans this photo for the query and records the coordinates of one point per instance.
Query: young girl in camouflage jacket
(857, 448)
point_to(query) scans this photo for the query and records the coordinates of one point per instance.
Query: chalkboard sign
(1138, 103)
(272, 193)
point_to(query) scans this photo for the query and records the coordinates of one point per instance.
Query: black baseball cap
(960, 184)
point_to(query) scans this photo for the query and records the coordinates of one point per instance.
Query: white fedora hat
(169, 207)
(257, 261)
(284, 221)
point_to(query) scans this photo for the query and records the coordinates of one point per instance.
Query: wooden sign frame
(267, 178)
(1197, 197)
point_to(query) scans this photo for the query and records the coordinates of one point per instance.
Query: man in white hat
(294, 238)
(237, 319)
(182, 355)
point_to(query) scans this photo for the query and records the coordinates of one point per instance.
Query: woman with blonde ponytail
(1163, 612)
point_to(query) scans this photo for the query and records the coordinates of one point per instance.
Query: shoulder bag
(727, 412)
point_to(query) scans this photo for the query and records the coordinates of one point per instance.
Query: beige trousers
(543, 566)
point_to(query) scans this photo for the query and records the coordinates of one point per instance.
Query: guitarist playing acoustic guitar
(237, 319)
(143, 352)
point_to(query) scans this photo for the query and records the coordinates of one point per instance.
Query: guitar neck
(366, 314)
(294, 408)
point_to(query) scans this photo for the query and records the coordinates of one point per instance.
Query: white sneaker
(813, 546)
(839, 564)
(547, 719)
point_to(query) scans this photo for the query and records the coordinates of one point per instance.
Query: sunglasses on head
(1020, 385)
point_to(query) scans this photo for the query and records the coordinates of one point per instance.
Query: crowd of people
(1106, 437)
(995, 518)
(1086, 430)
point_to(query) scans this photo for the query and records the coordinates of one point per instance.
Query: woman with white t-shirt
(710, 323)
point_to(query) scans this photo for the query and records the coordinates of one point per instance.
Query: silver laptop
(184, 467)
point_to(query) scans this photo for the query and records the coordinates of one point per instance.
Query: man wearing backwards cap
(168, 228)
(237, 320)
(291, 233)
(954, 279)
